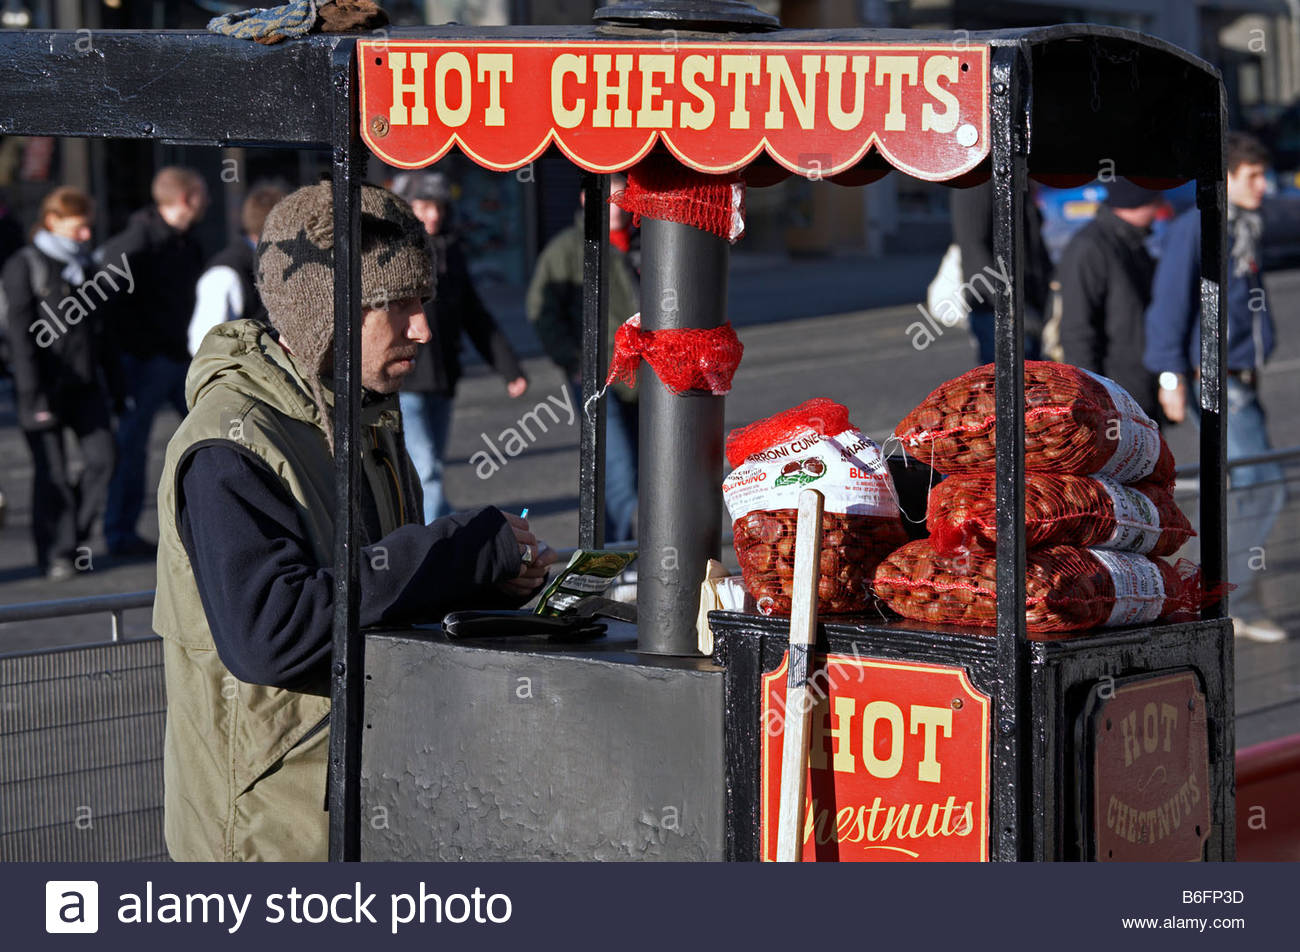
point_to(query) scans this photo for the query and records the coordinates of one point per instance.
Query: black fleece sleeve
(270, 605)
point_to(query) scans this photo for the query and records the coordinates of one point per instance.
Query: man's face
(191, 208)
(389, 340)
(429, 213)
(1246, 185)
(618, 218)
(1145, 215)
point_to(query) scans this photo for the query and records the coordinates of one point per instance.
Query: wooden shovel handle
(798, 696)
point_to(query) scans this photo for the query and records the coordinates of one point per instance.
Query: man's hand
(1174, 402)
(515, 388)
(532, 575)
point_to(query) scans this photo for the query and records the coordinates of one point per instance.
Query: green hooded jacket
(244, 764)
(554, 301)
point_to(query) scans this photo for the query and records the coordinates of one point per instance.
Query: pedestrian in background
(554, 305)
(1173, 350)
(455, 308)
(63, 375)
(11, 239)
(11, 231)
(1105, 275)
(972, 232)
(150, 325)
(227, 290)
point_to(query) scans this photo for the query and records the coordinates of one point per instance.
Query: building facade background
(507, 218)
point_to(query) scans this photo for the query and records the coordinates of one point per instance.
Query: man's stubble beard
(391, 382)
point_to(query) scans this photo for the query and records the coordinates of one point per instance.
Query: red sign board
(1151, 796)
(814, 108)
(898, 765)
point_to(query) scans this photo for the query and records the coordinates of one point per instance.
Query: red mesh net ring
(661, 187)
(821, 416)
(682, 358)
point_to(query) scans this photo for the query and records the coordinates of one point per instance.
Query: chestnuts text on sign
(898, 762)
(1151, 771)
(814, 108)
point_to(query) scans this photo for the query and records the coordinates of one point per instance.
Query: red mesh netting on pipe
(683, 359)
(661, 187)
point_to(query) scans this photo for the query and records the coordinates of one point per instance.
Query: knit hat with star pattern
(295, 267)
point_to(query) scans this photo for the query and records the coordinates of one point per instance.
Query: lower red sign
(898, 764)
(1151, 797)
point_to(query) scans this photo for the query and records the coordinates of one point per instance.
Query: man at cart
(245, 595)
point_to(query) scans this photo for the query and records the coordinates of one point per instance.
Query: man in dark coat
(11, 239)
(1105, 274)
(554, 308)
(150, 327)
(11, 232)
(972, 232)
(429, 390)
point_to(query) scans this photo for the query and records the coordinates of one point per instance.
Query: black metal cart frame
(1062, 99)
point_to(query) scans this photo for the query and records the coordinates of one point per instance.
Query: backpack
(38, 274)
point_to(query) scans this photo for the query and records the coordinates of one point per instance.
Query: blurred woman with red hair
(62, 370)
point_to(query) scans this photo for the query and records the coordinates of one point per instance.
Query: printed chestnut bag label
(846, 468)
(1137, 520)
(1138, 448)
(1139, 587)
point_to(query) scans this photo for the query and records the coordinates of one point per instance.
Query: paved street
(826, 327)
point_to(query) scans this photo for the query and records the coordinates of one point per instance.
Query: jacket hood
(246, 355)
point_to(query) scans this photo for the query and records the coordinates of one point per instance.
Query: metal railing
(1264, 530)
(1290, 454)
(114, 604)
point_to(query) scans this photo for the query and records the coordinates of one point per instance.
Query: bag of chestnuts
(1076, 422)
(814, 446)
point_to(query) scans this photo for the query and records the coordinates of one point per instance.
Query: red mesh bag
(682, 358)
(814, 445)
(1067, 588)
(1073, 510)
(1075, 423)
(661, 187)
